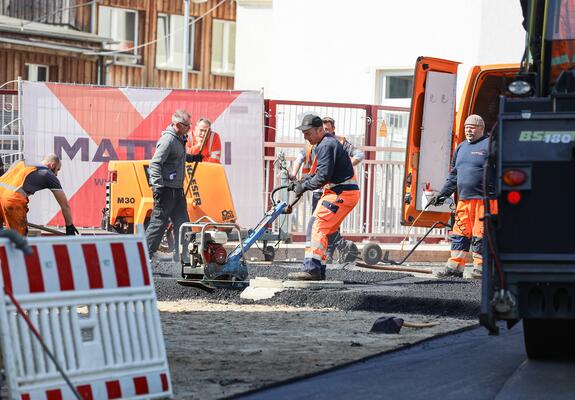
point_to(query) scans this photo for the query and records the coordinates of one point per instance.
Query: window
(122, 26)
(223, 47)
(394, 87)
(38, 73)
(169, 47)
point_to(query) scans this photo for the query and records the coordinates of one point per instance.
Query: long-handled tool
(46, 229)
(193, 172)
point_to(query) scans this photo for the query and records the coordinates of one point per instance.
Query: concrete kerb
(432, 253)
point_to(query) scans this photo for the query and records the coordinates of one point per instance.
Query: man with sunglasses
(167, 171)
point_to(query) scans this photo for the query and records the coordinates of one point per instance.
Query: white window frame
(225, 56)
(170, 62)
(33, 71)
(130, 55)
(381, 82)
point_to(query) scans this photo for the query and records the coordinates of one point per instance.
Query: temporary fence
(93, 302)
(11, 124)
(381, 132)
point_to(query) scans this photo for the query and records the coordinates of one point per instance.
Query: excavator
(529, 113)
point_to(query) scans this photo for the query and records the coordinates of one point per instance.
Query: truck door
(429, 140)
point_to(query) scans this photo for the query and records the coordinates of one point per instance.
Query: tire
(269, 253)
(371, 253)
(346, 252)
(546, 338)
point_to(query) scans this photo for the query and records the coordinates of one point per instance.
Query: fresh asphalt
(365, 290)
(467, 365)
(470, 365)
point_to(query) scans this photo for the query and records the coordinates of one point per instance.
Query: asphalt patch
(380, 291)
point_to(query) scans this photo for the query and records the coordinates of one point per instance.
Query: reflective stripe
(317, 245)
(351, 181)
(13, 188)
(314, 257)
(562, 59)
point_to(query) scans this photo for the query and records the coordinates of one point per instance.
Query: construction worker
(331, 169)
(305, 158)
(167, 169)
(212, 148)
(22, 181)
(466, 176)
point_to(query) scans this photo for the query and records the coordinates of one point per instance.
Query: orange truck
(129, 196)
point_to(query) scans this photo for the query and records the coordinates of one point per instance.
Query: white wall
(329, 50)
(253, 34)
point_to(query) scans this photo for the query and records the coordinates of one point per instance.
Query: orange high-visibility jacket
(212, 149)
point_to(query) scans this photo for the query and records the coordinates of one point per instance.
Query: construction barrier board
(93, 301)
(87, 126)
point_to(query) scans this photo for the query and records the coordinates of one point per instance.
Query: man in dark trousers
(167, 169)
(466, 176)
(331, 169)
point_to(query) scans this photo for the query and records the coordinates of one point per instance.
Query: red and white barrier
(93, 301)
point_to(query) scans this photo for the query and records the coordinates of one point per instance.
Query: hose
(488, 216)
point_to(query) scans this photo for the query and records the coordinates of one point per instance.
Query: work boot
(305, 276)
(449, 272)
(159, 257)
(322, 273)
(476, 273)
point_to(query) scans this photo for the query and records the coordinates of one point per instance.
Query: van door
(429, 140)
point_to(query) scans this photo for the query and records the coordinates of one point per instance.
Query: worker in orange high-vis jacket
(466, 176)
(22, 181)
(331, 169)
(304, 160)
(212, 150)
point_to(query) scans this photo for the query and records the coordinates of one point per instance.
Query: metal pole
(20, 139)
(186, 43)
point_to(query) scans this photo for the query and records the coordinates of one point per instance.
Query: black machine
(529, 250)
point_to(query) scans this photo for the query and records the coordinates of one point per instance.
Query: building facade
(139, 43)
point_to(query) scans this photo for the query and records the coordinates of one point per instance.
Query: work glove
(297, 187)
(437, 200)
(71, 230)
(196, 158)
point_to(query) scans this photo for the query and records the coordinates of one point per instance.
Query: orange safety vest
(307, 162)
(212, 149)
(13, 179)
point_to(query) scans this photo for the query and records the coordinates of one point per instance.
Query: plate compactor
(205, 262)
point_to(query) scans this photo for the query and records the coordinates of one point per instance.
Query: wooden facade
(141, 73)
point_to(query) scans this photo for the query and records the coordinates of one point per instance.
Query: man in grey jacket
(167, 169)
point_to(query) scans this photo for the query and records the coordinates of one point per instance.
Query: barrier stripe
(5, 269)
(165, 384)
(141, 385)
(114, 390)
(86, 392)
(93, 266)
(144, 264)
(55, 394)
(64, 267)
(34, 271)
(120, 264)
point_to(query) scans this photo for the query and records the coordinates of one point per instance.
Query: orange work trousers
(330, 212)
(468, 233)
(13, 211)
